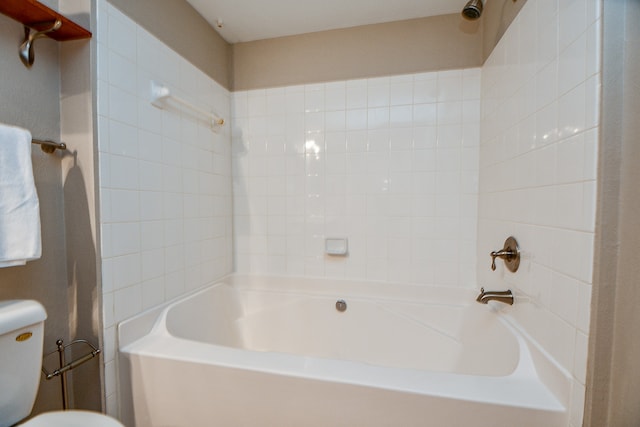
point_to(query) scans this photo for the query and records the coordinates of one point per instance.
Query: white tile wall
(389, 163)
(165, 179)
(398, 165)
(538, 151)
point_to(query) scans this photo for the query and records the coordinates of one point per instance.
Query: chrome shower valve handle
(506, 254)
(510, 253)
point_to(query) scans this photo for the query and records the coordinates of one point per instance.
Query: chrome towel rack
(49, 146)
(160, 94)
(65, 367)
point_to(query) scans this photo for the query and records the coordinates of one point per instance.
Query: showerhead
(473, 9)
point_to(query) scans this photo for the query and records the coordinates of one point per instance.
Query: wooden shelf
(36, 15)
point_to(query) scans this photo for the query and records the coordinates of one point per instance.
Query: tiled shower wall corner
(165, 179)
(538, 165)
(389, 163)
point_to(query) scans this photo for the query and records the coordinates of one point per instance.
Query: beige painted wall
(614, 367)
(417, 45)
(78, 175)
(179, 26)
(31, 99)
(402, 47)
(496, 18)
(411, 46)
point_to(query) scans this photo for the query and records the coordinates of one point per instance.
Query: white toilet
(21, 341)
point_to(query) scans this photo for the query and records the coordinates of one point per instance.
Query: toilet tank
(21, 340)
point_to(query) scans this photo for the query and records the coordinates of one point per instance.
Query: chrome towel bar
(49, 146)
(161, 93)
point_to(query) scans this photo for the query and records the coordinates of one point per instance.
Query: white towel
(19, 207)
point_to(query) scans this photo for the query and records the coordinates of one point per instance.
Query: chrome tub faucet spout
(500, 296)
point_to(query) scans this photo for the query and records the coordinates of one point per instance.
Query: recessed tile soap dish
(336, 246)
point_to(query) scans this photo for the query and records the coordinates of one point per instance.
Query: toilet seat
(72, 419)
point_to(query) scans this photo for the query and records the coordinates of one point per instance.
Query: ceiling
(247, 20)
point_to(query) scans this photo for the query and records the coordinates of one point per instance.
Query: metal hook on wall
(26, 48)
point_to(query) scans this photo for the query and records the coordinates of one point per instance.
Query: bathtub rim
(504, 390)
(134, 327)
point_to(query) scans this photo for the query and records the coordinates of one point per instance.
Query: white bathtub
(256, 351)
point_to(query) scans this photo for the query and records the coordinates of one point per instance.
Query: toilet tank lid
(16, 314)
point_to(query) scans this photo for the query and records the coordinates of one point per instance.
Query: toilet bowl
(71, 419)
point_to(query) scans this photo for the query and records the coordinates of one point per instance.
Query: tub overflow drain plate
(341, 305)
